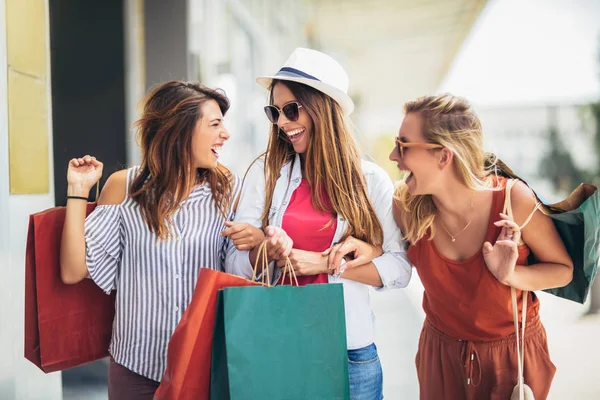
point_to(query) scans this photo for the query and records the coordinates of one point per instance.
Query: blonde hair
(450, 121)
(333, 165)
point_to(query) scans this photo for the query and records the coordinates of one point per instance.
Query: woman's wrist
(78, 190)
(378, 251)
(341, 270)
(512, 279)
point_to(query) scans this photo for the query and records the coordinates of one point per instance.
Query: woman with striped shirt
(154, 227)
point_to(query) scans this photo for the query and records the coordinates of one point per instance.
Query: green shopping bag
(280, 342)
(577, 220)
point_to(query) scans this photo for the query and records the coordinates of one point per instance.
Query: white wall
(19, 379)
(233, 42)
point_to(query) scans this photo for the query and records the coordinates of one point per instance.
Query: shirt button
(176, 308)
(176, 276)
(178, 238)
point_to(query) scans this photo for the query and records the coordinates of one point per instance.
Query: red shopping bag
(189, 354)
(65, 325)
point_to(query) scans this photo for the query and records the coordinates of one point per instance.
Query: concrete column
(135, 72)
(19, 379)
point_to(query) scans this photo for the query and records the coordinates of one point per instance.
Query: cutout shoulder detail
(114, 191)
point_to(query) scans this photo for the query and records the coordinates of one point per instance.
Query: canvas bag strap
(261, 258)
(513, 293)
(521, 339)
(508, 206)
(289, 270)
(97, 190)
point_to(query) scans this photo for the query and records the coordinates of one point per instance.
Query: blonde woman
(469, 255)
(311, 190)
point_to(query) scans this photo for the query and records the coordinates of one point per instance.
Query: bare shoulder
(540, 234)
(115, 189)
(523, 201)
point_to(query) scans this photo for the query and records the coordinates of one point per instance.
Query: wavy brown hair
(167, 175)
(450, 121)
(332, 162)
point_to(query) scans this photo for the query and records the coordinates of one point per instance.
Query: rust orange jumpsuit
(467, 348)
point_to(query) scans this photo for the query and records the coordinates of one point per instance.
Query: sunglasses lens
(400, 148)
(272, 114)
(290, 111)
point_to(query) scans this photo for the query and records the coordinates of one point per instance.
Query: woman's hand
(306, 262)
(360, 252)
(243, 235)
(279, 244)
(82, 175)
(501, 258)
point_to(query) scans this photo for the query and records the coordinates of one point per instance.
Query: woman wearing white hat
(310, 191)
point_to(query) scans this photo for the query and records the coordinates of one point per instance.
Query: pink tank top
(308, 228)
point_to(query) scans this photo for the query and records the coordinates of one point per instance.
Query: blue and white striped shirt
(154, 278)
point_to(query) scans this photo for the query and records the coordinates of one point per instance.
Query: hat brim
(342, 98)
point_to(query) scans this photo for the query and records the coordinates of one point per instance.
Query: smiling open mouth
(406, 175)
(296, 134)
(216, 149)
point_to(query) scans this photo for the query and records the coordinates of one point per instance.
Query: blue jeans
(366, 376)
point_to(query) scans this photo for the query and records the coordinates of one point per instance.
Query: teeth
(406, 173)
(295, 132)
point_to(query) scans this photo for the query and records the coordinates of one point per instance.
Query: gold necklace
(453, 237)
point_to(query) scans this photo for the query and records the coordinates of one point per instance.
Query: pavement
(572, 339)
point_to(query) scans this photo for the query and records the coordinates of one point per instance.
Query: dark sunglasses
(400, 146)
(291, 111)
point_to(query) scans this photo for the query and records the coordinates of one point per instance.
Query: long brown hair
(332, 163)
(166, 176)
(450, 121)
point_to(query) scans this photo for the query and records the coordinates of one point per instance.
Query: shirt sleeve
(249, 210)
(393, 265)
(104, 245)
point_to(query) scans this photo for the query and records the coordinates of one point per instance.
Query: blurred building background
(72, 74)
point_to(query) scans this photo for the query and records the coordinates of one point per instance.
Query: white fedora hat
(317, 70)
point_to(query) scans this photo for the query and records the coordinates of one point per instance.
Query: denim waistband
(364, 354)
